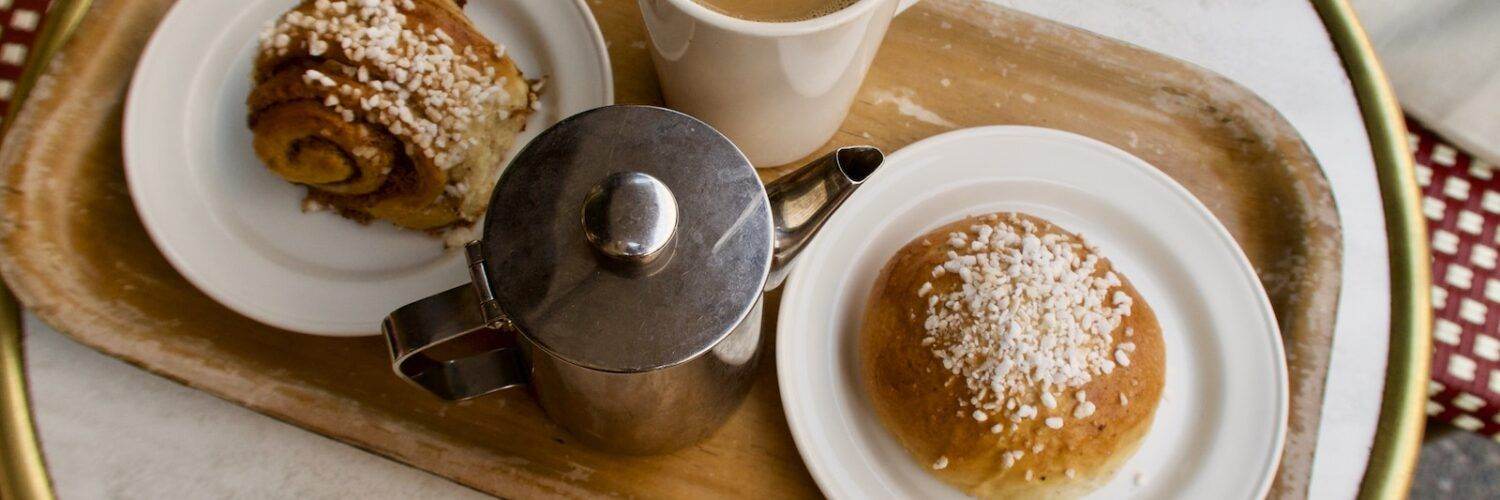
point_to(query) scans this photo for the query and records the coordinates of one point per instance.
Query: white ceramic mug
(779, 90)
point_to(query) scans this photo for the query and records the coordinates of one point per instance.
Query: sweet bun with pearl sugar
(1010, 358)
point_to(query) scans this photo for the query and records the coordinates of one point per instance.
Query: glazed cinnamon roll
(387, 109)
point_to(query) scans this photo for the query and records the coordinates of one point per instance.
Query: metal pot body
(641, 412)
(652, 411)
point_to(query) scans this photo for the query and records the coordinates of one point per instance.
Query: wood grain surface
(74, 251)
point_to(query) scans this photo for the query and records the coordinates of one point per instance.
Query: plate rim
(821, 472)
(160, 237)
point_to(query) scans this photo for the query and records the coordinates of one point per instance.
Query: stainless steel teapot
(626, 250)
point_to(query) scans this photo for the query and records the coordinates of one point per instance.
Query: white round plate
(236, 231)
(1219, 427)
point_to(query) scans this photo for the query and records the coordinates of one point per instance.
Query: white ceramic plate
(1219, 428)
(236, 231)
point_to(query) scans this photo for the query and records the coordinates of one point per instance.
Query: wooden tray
(74, 251)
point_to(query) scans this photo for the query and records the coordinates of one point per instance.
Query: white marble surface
(112, 431)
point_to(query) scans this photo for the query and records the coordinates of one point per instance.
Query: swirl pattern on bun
(387, 109)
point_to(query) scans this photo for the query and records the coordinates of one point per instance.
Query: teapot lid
(627, 238)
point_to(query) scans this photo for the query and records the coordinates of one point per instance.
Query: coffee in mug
(776, 11)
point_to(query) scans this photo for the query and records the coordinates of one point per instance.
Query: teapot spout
(802, 200)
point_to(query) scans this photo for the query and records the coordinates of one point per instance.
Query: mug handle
(902, 5)
(414, 328)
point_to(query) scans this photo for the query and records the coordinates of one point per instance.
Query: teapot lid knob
(628, 239)
(630, 216)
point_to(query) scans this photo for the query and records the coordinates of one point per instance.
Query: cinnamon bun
(399, 110)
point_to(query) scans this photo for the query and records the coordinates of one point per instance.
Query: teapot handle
(443, 319)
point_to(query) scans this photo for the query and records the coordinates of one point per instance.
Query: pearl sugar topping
(1033, 316)
(409, 78)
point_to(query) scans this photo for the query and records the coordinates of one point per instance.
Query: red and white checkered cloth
(19, 22)
(1461, 200)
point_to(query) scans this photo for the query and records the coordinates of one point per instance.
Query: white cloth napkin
(1443, 58)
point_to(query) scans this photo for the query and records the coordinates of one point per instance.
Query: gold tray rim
(23, 469)
(1398, 435)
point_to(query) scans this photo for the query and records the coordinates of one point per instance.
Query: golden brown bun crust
(919, 401)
